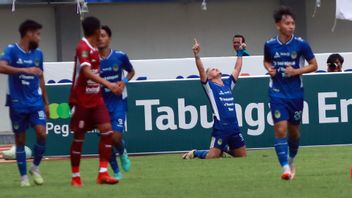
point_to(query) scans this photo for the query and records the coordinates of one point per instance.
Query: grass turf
(321, 172)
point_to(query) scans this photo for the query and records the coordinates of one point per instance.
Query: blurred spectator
(334, 63)
(238, 43)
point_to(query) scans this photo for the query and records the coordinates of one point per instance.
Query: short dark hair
(239, 36)
(333, 57)
(283, 11)
(28, 25)
(90, 25)
(107, 30)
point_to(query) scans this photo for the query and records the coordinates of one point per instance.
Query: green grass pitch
(321, 172)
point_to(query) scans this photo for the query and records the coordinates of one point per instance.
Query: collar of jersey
(288, 42)
(87, 42)
(20, 48)
(102, 58)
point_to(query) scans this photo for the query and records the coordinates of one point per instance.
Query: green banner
(166, 116)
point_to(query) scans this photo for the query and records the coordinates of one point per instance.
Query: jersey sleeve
(127, 64)
(82, 53)
(7, 55)
(267, 57)
(307, 51)
(230, 82)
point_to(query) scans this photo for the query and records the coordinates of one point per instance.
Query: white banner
(344, 9)
(162, 69)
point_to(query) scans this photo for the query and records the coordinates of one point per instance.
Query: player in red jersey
(88, 108)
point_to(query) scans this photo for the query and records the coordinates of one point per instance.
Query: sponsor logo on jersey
(277, 55)
(19, 61)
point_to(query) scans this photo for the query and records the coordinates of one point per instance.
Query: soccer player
(113, 63)
(284, 57)
(87, 103)
(226, 132)
(26, 97)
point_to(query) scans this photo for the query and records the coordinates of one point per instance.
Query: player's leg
(280, 116)
(293, 143)
(237, 146)
(295, 111)
(114, 165)
(75, 156)
(102, 121)
(281, 147)
(38, 121)
(118, 126)
(19, 122)
(20, 139)
(79, 126)
(217, 145)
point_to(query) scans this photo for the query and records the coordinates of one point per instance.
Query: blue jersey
(293, 53)
(111, 68)
(223, 104)
(24, 91)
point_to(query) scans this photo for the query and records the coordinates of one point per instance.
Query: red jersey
(85, 92)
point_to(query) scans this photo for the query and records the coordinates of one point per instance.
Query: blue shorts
(286, 109)
(118, 121)
(222, 139)
(20, 121)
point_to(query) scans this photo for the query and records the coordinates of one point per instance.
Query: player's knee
(280, 131)
(104, 128)
(117, 139)
(20, 139)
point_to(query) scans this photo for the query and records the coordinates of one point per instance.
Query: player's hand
(196, 48)
(33, 71)
(290, 71)
(121, 86)
(115, 88)
(47, 111)
(243, 46)
(272, 71)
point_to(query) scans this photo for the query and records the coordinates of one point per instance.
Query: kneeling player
(225, 129)
(112, 65)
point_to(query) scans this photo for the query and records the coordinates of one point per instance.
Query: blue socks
(113, 161)
(293, 145)
(281, 148)
(21, 159)
(201, 154)
(39, 149)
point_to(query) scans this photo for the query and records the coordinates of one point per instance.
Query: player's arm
(96, 78)
(267, 62)
(311, 67)
(312, 63)
(130, 74)
(122, 84)
(239, 61)
(44, 95)
(5, 68)
(199, 63)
